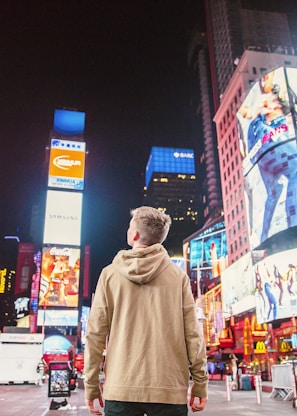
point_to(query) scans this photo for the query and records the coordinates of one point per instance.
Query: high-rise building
(246, 228)
(232, 26)
(171, 188)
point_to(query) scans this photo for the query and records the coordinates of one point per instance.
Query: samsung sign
(63, 218)
(169, 160)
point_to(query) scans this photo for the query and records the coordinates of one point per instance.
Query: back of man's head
(152, 224)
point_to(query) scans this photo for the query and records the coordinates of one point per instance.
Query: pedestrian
(144, 308)
(41, 370)
(233, 360)
(222, 369)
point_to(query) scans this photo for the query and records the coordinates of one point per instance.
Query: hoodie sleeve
(97, 331)
(195, 343)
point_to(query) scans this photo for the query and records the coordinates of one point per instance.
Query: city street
(31, 400)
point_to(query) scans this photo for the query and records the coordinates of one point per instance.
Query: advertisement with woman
(276, 286)
(60, 270)
(269, 155)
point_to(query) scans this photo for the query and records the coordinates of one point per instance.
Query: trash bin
(246, 382)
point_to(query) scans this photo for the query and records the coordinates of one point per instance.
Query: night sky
(124, 63)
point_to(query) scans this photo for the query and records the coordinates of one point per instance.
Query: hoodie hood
(142, 265)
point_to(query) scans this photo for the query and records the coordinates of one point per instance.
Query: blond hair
(152, 224)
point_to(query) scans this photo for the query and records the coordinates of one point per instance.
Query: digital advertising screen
(276, 286)
(271, 193)
(265, 118)
(56, 317)
(170, 160)
(59, 379)
(208, 254)
(269, 154)
(67, 164)
(63, 218)
(60, 273)
(69, 122)
(238, 287)
(213, 311)
(25, 268)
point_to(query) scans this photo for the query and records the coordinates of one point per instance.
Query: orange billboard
(67, 164)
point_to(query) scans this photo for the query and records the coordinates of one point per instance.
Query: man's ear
(136, 236)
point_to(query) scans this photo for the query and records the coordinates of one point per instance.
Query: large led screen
(69, 123)
(169, 160)
(238, 287)
(213, 311)
(269, 152)
(276, 286)
(63, 218)
(265, 117)
(67, 164)
(56, 317)
(271, 193)
(60, 272)
(208, 254)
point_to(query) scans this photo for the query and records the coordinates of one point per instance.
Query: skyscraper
(232, 26)
(171, 188)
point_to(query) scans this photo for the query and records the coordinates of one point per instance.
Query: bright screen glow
(60, 272)
(63, 218)
(69, 123)
(208, 255)
(67, 164)
(265, 118)
(276, 286)
(269, 151)
(169, 160)
(55, 317)
(238, 287)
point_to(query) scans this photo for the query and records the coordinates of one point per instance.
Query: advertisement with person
(60, 271)
(238, 287)
(269, 152)
(276, 286)
(208, 255)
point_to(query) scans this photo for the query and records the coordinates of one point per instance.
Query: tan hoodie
(144, 305)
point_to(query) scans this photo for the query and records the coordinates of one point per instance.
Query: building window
(254, 70)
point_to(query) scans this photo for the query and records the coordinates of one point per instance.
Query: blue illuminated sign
(68, 122)
(169, 160)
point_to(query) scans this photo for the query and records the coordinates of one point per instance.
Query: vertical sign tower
(62, 250)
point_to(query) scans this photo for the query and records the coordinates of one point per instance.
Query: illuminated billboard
(276, 286)
(265, 117)
(67, 164)
(269, 155)
(213, 312)
(69, 123)
(208, 255)
(25, 268)
(238, 287)
(63, 218)
(55, 317)
(169, 160)
(60, 273)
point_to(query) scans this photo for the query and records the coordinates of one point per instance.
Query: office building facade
(171, 188)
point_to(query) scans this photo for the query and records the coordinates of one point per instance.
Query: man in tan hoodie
(144, 311)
